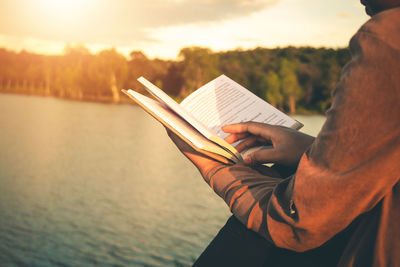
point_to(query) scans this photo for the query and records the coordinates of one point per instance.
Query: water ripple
(93, 184)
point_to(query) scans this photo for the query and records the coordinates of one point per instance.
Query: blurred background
(88, 178)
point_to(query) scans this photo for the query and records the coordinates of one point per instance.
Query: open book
(199, 117)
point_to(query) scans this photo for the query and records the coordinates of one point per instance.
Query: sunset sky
(161, 28)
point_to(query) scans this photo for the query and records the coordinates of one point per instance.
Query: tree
(272, 86)
(154, 70)
(199, 66)
(290, 78)
(289, 84)
(113, 70)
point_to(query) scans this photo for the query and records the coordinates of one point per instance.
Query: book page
(178, 109)
(223, 101)
(168, 101)
(179, 126)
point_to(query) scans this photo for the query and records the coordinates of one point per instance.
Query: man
(342, 205)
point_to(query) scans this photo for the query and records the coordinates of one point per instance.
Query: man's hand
(203, 163)
(288, 144)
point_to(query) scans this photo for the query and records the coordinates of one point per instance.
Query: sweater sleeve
(350, 167)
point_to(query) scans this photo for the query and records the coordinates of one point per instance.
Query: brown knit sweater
(350, 174)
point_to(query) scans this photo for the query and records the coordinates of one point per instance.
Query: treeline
(292, 79)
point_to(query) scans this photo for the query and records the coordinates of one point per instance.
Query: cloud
(167, 13)
(118, 22)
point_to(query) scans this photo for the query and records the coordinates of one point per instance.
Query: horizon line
(127, 55)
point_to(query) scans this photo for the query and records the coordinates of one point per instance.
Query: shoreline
(123, 99)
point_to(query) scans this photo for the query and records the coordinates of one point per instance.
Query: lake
(98, 184)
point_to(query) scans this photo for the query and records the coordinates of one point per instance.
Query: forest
(293, 79)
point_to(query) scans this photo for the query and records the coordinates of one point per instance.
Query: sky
(160, 28)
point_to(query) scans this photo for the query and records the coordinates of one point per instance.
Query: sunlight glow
(64, 4)
(46, 26)
(65, 9)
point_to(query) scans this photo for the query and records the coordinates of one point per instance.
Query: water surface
(96, 184)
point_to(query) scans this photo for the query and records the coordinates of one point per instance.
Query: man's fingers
(235, 128)
(267, 155)
(203, 161)
(255, 128)
(182, 145)
(232, 138)
(249, 142)
(186, 149)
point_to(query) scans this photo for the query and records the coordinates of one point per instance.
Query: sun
(65, 9)
(65, 5)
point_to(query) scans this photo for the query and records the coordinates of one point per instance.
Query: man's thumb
(259, 157)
